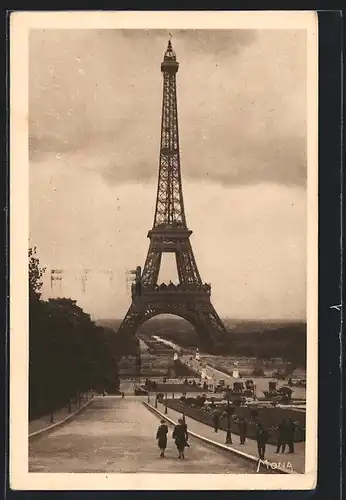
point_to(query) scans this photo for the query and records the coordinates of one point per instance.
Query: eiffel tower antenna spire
(190, 299)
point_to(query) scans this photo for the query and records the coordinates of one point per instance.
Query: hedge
(268, 416)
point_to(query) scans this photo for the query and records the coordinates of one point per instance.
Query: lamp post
(228, 434)
(148, 397)
(156, 400)
(166, 410)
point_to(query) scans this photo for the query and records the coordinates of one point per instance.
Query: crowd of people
(176, 287)
(180, 435)
(285, 437)
(285, 432)
(181, 287)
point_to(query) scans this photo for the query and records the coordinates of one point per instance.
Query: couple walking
(286, 431)
(179, 435)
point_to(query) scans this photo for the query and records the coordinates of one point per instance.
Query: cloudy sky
(95, 104)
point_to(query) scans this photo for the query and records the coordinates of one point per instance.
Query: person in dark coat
(242, 426)
(161, 437)
(216, 420)
(261, 438)
(282, 436)
(180, 437)
(290, 435)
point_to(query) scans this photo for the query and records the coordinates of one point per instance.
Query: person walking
(216, 420)
(161, 436)
(122, 394)
(261, 438)
(242, 426)
(180, 437)
(282, 436)
(290, 435)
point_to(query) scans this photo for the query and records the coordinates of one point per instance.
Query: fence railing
(59, 414)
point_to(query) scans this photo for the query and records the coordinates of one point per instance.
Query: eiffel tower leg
(186, 265)
(152, 266)
(209, 327)
(214, 321)
(127, 330)
(131, 321)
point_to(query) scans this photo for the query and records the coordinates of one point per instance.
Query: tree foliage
(69, 353)
(35, 275)
(252, 339)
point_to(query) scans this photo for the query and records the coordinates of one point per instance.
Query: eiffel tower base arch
(193, 306)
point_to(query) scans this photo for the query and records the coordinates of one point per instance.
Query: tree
(35, 275)
(69, 353)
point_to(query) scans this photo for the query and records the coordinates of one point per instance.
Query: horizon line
(243, 320)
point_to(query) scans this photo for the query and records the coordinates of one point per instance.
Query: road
(262, 383)
(169, 343)
(118, 435)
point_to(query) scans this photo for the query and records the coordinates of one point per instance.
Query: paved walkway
(57, 416)
(118, 435)
(297, 459)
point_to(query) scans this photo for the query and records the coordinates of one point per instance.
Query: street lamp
(148, 397)
(228, 434)
(166, 410)
(156, 400)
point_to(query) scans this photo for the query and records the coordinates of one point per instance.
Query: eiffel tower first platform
(190, 298)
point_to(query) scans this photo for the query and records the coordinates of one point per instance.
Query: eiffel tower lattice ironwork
(190, 299)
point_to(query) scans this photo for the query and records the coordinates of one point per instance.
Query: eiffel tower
(190, 299)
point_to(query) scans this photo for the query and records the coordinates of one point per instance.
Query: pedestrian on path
(261, 438)
(290, 435)
(216, 420)
(242, 425)
(122, 394)
(180, 437)
(161, 436)
(282, 436)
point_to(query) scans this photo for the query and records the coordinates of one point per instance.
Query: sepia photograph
(164, 250)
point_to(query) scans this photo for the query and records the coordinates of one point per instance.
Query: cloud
(95, 118)
(249, 241)
(241, 102)
(200, 41)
